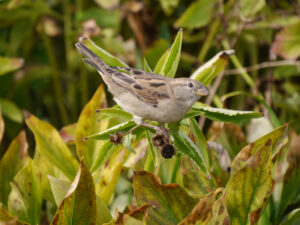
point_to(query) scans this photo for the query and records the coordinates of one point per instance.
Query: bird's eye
(190, 85)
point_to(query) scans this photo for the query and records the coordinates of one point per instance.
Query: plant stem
(175, 169)
(56, 79)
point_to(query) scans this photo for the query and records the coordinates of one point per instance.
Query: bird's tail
(92, 59)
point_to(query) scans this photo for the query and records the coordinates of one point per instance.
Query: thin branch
(263, 65)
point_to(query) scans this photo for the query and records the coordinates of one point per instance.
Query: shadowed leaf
(50, 145)
(11, 110)
(79, 207)
(2, 126)
(7, 219)
(10, 164)
(89, 123)
(169, 204)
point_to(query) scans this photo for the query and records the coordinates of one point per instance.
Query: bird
(147, 96)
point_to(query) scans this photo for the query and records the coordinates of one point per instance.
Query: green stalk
(212, 32)
(238, 65)
(175, 169)
(56, 79)
(149, 165)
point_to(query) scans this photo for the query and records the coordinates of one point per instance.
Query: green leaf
(157, 49)
(105, 152)
(50, 145)
(10, 164)
(223, 115)
(278, 139)
(104, 55)
(200, 140)
(59, 188)
(2, 127)
(110, 174)
(103, 213)
(247, 188)
(6, 218)
(186, 146)
(146, 66)
(293, 217)
(168, 5)
(26, 197)
(208, 71)
(11, 110)
(169, 204)
(104, 135)
(197, 15)
(8, 65)
(89, 123)
(287, 42)
(194, 180)
(108, 4)
(119, 114)
(127, 143)
(249, 8)
(79, 207)
(168, 63)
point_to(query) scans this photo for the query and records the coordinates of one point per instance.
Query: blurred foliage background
(42, 72)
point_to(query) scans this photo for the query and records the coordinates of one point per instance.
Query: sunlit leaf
(59, 188)
(6, 218)
(223, 115)
(168, 5)
(168, 63)
(8, 65)
(104, 55)
(186, 146)
(287, 42)
(108, 4)
(248, 187)
(89, 123)
(146, 66)
(79, 206)
(11, 110)
(201, 211)
(110, 174)
(50, 145)
(67, 133)
(104, 135)
(127, 143)
(197, 15)
(26, 197)
(169, 204)
(13, 160)
(208, 71)
(278, 139)
(116, 113)
(103, 213)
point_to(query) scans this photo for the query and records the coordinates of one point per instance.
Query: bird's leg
(163, 131)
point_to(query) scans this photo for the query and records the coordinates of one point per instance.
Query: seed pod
(167, 151)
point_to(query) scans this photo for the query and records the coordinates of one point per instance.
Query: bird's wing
(150, 88)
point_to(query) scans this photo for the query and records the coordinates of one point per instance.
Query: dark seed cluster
(116, 138)
(166, 150)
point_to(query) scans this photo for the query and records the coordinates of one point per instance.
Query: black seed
(159, 140)
(167, 151)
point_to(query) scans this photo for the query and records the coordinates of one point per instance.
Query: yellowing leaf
(50, 145)
(79, 207)
(26, 197)
(208, 71)
(6, 218)
(278, 139)
(247, 188)
(169, 204)
(59, 188)
(8, 65)
(13, 160)
(89, 123)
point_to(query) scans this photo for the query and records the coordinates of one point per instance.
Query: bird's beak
(202, 91)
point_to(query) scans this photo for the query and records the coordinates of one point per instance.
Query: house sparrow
(147, 95)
